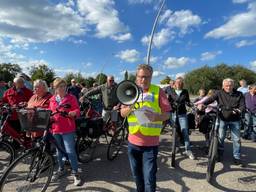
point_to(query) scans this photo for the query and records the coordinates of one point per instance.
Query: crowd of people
(158, 104)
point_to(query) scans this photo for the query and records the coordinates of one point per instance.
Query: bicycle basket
(34, 120)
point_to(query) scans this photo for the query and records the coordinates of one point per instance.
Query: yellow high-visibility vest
(147, 100)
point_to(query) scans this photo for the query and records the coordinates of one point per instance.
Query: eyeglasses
(144, 77)
(111, 80)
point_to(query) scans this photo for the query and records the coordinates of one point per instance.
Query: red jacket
(13, 97)
(62, 124)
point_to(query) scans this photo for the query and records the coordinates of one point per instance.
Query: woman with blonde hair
(64, 128)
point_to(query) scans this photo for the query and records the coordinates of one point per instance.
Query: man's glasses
(144, 77)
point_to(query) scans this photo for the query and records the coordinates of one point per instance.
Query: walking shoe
(237, 161)
(77, 179)
(58, 174)
(190, 154)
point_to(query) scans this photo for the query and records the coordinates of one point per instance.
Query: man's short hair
(145, 67)
(18, 79)
(228, 80)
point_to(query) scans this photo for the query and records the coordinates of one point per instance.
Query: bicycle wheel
(212, 157)
(173, 146)
(115, 144)
(85, 147)
(7, 155)
(32, 171)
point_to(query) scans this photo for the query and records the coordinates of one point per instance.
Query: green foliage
(8, 71)
(42, 72)
(212, 77)
(126, 75)
(132, 77)
(101, 78)
(89, 81)
(166, 80)
(77, 76)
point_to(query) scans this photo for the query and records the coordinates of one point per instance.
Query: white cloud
(206, 56)
(158, 73)
(102, 14)
(160, 39)
(167, 14)
(253, 63)
(244, 43)
(122, 37)
(140, 1)
(184, 20)
(129, 55)
(38, 21)
(181, 74)
(240, 1)
(240, 25)
(152, 59)
(173, 62)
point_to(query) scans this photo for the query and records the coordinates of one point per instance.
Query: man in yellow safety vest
(144, 137)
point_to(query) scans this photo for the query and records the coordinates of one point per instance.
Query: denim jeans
(143, 163)
(250, 126)
(183, 121)
(67, 142)
(235, 134)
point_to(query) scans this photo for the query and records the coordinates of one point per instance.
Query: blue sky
(93, 36)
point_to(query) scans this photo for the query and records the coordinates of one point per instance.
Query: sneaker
(77, 180)
(237, 161)
(190, 155)
(58, 174)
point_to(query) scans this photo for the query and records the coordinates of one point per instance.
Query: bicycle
(117, 140)
(33, 170)
(8, 134)
(213, 148)
(91, 128)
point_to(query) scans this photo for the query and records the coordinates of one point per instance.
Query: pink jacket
(62, 124)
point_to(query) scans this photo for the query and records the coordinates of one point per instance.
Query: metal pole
(153, 31)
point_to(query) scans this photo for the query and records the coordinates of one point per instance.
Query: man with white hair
(16, 95)
(232, 104)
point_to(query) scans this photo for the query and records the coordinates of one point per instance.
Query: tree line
(211, 77)
(8, 72)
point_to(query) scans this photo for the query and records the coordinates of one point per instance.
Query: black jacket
(228, 102)
(179, 102)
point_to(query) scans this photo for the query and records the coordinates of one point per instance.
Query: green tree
(166, 80)
(77, 76)
(212, 77)
(42, 72)
(8, 71)
(126, 75)
(89, 81)
(132, 77)
(101, 78)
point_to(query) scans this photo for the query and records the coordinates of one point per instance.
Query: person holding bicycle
(250, 114)
(16, 96)
(179, 98)
(40, 99)
(232, 105)
(143, 139)
(63, 128)
(109, 98)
